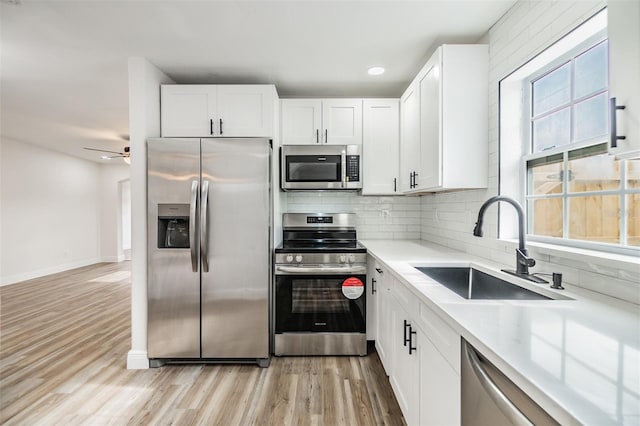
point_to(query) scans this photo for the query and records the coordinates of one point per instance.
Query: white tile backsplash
(379, 217)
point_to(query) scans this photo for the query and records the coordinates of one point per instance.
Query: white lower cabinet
(421, 354)
(439, 387)
(372, 286)
(384, 325)
(405, 377)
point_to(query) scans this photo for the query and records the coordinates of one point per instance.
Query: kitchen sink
(471, 283)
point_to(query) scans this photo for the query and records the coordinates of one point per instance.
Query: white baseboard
(12, 279)
(137, 360)
(112, 259)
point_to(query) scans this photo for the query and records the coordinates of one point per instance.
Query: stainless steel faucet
(523, 261)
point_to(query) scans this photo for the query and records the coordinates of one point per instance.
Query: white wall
(144, 122)
(524, 31)
(50, 212)
(110, 210)
(378, 217)
(57, 212)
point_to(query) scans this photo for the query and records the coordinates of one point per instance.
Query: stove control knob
(289, 258)
(298, 258)
(352, 258)
(343, 258)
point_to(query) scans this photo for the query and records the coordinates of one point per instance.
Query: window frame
(623, 191)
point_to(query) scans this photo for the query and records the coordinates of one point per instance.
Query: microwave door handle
(192, 225)
(343, 162)
(204, 226)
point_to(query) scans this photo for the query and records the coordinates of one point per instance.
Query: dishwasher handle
(503, 402)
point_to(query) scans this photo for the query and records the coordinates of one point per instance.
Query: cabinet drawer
(443, 337)
(406, 298)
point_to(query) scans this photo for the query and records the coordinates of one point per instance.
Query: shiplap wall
(448, 218)
(387, 217)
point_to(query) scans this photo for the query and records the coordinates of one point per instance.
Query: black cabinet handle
(326, 136)
(317, 135)
(406, 339)
(613, 108)
(378, 270)
(411, 334)
(373, 285)
(221, 126)
(395, 187)
(211, 125)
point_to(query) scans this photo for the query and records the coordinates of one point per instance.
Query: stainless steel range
(319, 294)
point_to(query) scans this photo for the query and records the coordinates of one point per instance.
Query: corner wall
(525, 30)
(144, 122)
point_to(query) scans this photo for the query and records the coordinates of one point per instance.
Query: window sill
(544, 252)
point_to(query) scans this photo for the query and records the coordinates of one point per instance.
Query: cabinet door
(301, 121)
(430, 172)
(188, 110)
(380, 146)
(341, 121)
(372, 298)
(624, 67)
(409, 136)
(245, 110)
(405, 373)
(383, 341)
(439, 387)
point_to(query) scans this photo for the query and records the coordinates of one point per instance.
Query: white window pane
(552, 130)
(552, 90)
(546, 217)
(595, 218)
(593, 172)
(591, 71)
(591, 118)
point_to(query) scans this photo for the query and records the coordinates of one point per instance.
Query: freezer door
(235, 286)
(173, 183)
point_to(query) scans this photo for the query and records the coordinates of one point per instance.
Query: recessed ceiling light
(375, 70)
(105, 157)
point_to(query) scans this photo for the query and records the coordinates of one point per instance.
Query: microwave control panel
(353, 168)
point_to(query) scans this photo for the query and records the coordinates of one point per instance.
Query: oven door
(320, 303)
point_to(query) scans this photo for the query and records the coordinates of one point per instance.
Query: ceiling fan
(125, 155)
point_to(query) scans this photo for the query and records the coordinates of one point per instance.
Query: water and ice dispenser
(173, 226)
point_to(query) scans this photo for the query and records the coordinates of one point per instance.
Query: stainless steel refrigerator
(209, 261)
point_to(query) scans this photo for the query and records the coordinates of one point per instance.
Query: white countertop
(579, 359)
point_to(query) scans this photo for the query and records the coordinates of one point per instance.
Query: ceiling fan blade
(102, 150)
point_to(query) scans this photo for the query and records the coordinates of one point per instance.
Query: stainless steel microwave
(321, 167)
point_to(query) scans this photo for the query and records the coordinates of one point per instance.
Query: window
(575, 192)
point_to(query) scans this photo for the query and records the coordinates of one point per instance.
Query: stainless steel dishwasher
(490, 398)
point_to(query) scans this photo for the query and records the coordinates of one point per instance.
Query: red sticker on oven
(352, 288)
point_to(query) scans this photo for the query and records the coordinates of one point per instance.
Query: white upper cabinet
(342, 121)
(624, 79)
(245, 110)
(444, 136)
(217, 110)
(409, 137)
(301, 121)
(188, 110)
(321, 121)
(380, 150)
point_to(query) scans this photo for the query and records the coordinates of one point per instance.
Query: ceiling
(64, 63)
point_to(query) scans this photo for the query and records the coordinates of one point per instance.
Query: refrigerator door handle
(204, 226)
(192, 225)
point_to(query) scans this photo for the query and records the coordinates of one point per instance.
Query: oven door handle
(303, 270)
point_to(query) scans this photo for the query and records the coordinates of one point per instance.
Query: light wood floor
(63, 345)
